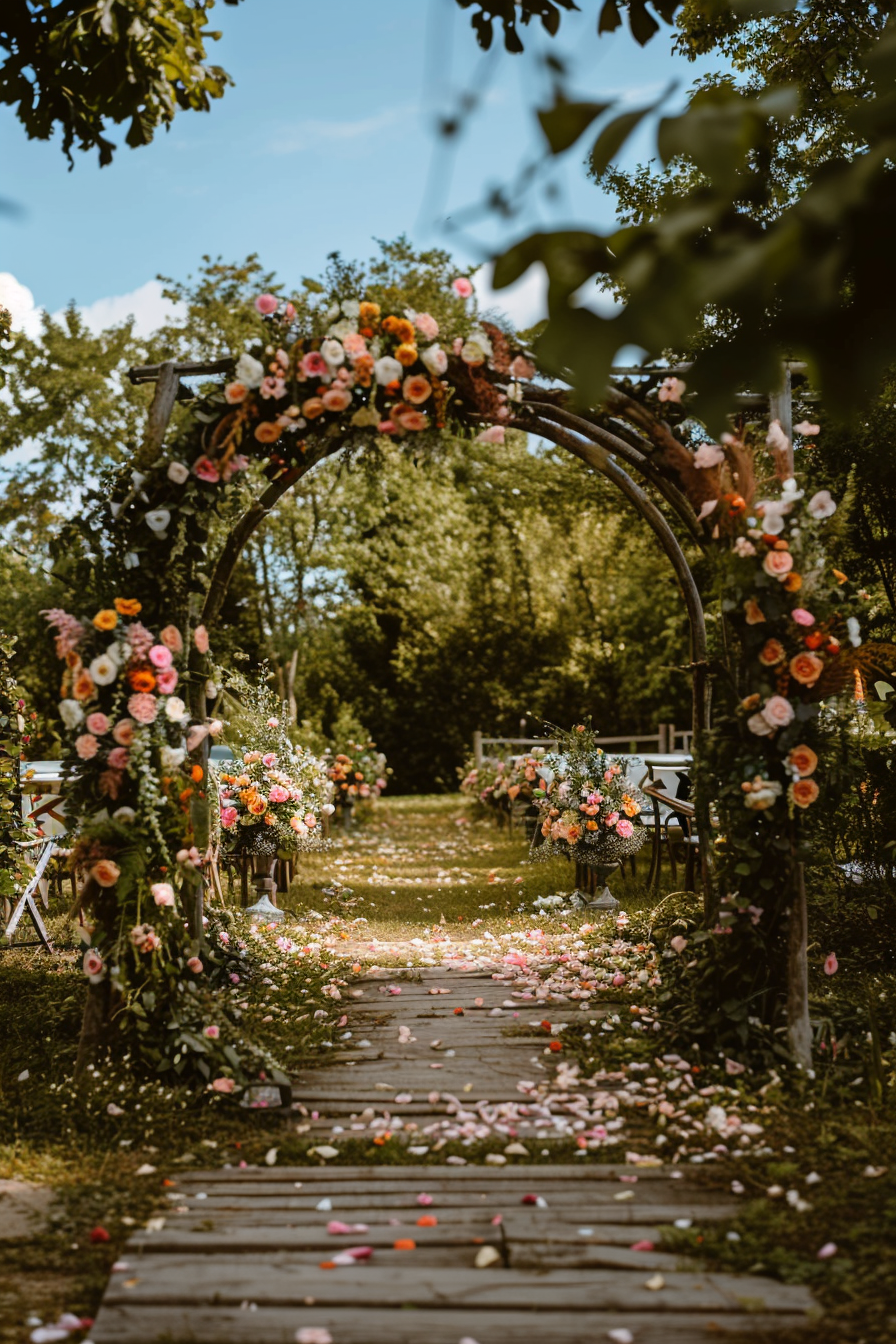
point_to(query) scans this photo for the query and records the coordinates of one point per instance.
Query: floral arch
(340, 373)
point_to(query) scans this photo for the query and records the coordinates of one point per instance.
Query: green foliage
(13, 744)
(76, 67)
(796, 271)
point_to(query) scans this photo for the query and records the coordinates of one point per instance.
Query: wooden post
(661, 744)
(477, 748)
(799, 1029)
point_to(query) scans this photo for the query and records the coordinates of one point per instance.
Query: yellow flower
(106, 619)
(128, 606)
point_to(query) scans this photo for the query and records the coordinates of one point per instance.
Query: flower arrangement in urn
(589, 810)
(358, 774)
(276, 795)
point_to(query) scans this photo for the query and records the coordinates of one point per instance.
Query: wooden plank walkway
(436, 1254)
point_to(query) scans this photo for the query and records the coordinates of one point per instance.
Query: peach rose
(83, 688)
(223, 1085)
(105, 872)
(406, 354)
(268, 431)
(312, 408)
(753, 612)
(521, 367)
(86, 746)
(234, 393)
(416, 389)
(804, 792)
(335, 399)
(778, 564)
(803, 760)
(806, 668)
(772, 652)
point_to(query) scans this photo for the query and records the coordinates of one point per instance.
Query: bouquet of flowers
(358, 773)
(495, 784)
(590, 811)
(276, 795)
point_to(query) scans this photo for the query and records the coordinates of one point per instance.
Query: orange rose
(196, 774)
(84, 688)
(590, 825)
(772, 652)
(268, 431)
(141, 679)
(804, 792)
(400, 328)
(406, 354)
(106, 619)
(778, 564)
(368, 312)
(806, 668)
(753, 612)
(128, 606)
(258, 806)
(803, 760)
(793, 582)
(312, 408)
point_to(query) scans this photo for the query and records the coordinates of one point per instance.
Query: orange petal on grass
(405, 1244)
(428, 1220)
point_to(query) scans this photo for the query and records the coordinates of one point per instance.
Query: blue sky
(326, 142)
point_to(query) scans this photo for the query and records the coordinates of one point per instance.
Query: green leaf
(613, 137)
(565, 122)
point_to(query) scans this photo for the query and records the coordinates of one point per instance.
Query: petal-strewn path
(510, 1250)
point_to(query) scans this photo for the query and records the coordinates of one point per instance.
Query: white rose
(117, 653)
(103, 670)
(821, 505)
(177, 472)
(71, 713)
(328, 809)
(249, 371)
(157, 521)
(351, 308)
(435, 359)
(172, 757)
(340, 330)
(854, 631)
(126, 814)
(332, 352)
(387, 370)
(175, 708)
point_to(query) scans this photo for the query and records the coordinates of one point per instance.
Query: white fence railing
(667, 740)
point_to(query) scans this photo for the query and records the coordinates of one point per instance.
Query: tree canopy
(73, 67)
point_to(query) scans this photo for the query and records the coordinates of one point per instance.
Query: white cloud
(146, 305)
(525, 302)
(311, 133)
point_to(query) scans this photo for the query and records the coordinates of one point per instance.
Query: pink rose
(521, 367)
(167, 680)
(800, 615)
(212, 1032)
(97, 723)
(92, 963)
(267, 304)
(778, 564)
(708, 455)
(160, 656)
(278, 794)
(778, 711)
(162, 893)
(671, 389)
(205, 470)
(200, 639)
(105, 872)
(229, 816)
(386, 427)
(86, 746)
(273, 723)
(427, 326)
(123, 732)
(172, 639)
(119, 758)
(143, 707)
(462, 286)
(195, 965)
(310, 820)
(223, 1085)
(759, 725)
(494, 434)
(821, 505)
(831, 964)
(611, 818)
(625, 828)
(354, 345)
(269, 759)
(314, 365)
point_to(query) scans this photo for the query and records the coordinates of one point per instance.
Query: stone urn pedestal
(591, 880)
(261, 850)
